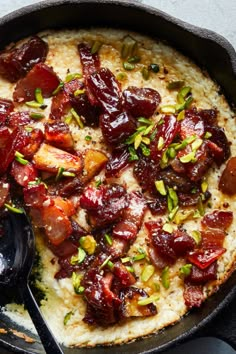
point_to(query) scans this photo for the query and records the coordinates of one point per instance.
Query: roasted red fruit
(218, 219)
(106, 90)
(191, 125)
(69, 186)
(202, 276)
(65, 249)
(123, 276)
(204, 257)
(118, 160)
(135, 211)
(193, 295)
(92, 198)
(35, 195)
(212, 238)
(41, 76)
(16, 119)
(227, 182)
(126, 230)
(16, 62)
(6, 107)
(209, 116)
(34, 140)
(65, 205)
(90, 62)
(173, 179)
(58, 134)
(166, 131)
(4, 136)
(131, 308)
(141, 102)
(56, 224)
(23, 174)
(197, 170)
(4, 191)
(146, 171)
(219, 138)
(88, 112)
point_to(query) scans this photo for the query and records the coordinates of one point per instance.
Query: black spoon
(17, 249)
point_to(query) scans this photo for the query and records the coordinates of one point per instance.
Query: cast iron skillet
(208, 50)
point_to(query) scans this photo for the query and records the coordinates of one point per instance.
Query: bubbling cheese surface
(60, 296)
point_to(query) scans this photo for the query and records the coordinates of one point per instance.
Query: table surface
(219, 16)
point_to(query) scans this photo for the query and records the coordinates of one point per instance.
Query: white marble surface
(217, 15)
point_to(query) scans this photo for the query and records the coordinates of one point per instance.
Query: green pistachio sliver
(129, 47)
(132, 154)
(38, 95)
(76, 280)
(67, 317)
(88, 138)
(196, 144)
(186, 269)
(168, 228)
(147, 272)
(182, 94)
(33, 104)
(68, 119)
(79, 92)
(81, 255)
(180, 217)
(28, 129)
(173, 195)
(169, 203)
(154, 68)
(125, 259)
(96, 47)
(77, 118)
(88, 243)
(153, 134)
(14, 209)
(171, 152)
(161, 143)
(68, 174)
(98, 183)
(36, 116)
(105, 262)
(164, 159)
(130, 269)
(134, 60)
(160, 187)
(173, 213)
(181, 115)
(110, 264)
(145, 150)
(137, 141)
(188, 158)
(21, 160)
(188, 102)
(59, 173)
(145, 121)
(184, 143)
(196, 235)
(108, 239)
(58, 89)
(130, 139)
(175, 85)
(168, 109)
(145, 73)
(204, 186)
(70, 76)
(148, 129)
(18, 154)
(200, 207)
(128, 66)
(142, 128)
(121, 76)
(148, 300)
(139, 257)
(145, 140)
(207, 135)
(165, 278)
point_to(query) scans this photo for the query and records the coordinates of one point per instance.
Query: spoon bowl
(17, 251)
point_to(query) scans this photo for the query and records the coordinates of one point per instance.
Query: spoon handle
(47, 338)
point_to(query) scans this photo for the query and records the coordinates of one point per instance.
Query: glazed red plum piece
(16, 119)
(118, 160)
(6, 107)
(16, 62)
(41, 76)
(58, 134)
(227, 183)
(141, 102)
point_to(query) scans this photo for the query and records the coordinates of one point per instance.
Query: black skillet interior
(208, 50)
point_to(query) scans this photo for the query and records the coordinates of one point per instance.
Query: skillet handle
(47, 338)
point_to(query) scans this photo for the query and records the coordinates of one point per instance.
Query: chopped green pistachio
(160, 186)
(81, 255)
(68, 119)
(67, 317)
(108, 239)
(171, 152)
(68, 174)
(175, 85)
(88, 138)
(146, 140)
(98, 183)
(110, 264)
(125, 259)
(105, 262)
(145, 73)
(28, 129)
(188, 157)
(173, 195)
(200, 207)
(154, 67)
(33, 104)
(196, 214)
(181, 115)
(183, 93)
(188, 102)
(182, 216)
(160, 143)
(77, 118)
(134, 60)
(145, 121)
(129, 47)
(165, 278)
(14, 209)
(148, 300)
(185, 270)
(173, 213)
(128, 66)
(70, 77)
(156, 286)
(167, 109)
(130, 269)
(204, 186)
(76, 280)
(168, 228)
(35, 182)
(141, 128)
(196, 144)
(36, 116)
(184, 143)
(139, 257)
(148, 129)
(58, 89)
(96, 47)
(121, 76)
(147, 272)
(38, 95)
(21, 160)
(169, 203)
(164, 159)
(18, 154)
(207, 135)
(196, 236)
(88, 243)
(152, 136)
(59, 173)
(137, 141)
(145, 150)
